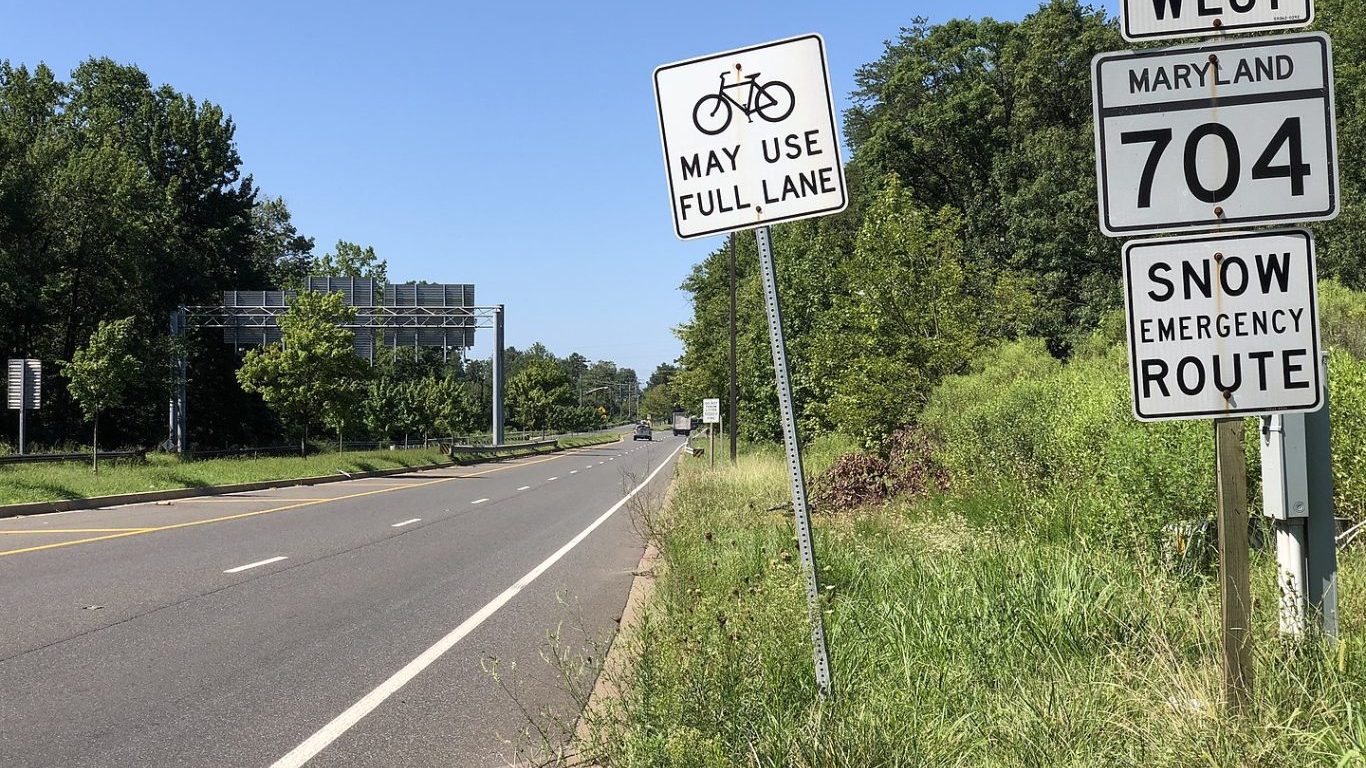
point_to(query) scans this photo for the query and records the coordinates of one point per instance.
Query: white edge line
(406, 522)
(479, 501)
(353, 714)
(258, 563)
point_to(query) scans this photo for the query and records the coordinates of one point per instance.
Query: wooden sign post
(1234, 592)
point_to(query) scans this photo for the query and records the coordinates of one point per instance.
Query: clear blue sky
(512, 145)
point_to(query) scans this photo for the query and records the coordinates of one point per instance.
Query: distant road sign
(1216, 135)
(711, 410)
(1158, 19)
(1222, 325)
(750, 137)
(24, 388)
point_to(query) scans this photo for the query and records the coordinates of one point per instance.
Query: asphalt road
(353, 624)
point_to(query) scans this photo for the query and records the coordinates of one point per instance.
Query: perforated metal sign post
(1211, 136)
(1222, 325)
(794, 459)
(1160, 19)
(750, 137)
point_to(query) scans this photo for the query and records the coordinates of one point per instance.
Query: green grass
(583, 441)
(963, 633)
(47, 482)
(22, 483)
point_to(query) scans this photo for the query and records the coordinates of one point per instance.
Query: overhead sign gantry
(417, 315)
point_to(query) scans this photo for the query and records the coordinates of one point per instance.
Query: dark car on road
(643, 432)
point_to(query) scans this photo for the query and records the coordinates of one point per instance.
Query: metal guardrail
(482, 439)
(229, 453)
(458, 450)
(461, 444)
(41, 458)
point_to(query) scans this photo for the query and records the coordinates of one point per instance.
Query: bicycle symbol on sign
(773, 101)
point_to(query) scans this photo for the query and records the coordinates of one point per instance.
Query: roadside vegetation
(1023, 576)
(122, 200)
(73, 480)
(972, 220)
(1014, 571)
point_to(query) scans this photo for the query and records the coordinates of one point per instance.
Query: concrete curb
(118, 500)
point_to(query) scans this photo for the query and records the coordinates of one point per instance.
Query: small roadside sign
(1159, 19)
(711, 410)
(1212, 136)
(24, 388)
(1222, 325)
(750, 137)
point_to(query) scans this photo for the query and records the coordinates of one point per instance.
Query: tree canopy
(972, 219)
(313, 370)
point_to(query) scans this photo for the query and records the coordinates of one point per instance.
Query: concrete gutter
(97, 502)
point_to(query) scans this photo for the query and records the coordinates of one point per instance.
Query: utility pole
(498, 382)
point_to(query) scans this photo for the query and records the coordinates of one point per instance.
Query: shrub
(1026, 423)
(855, 479)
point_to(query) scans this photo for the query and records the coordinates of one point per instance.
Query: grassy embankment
(21, 483)
(1030, 616)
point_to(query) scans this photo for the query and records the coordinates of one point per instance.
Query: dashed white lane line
(367, 704)
(553, 478)
(523, 488)
(406, 522)
(573, 471)
(256, 564)
(479, 501)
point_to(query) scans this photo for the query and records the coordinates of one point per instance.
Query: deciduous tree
(313, 368)
(101, 374)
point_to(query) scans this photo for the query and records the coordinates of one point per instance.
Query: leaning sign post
(1211, 138)
(750, 139)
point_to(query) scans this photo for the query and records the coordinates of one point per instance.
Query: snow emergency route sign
(750, 137)
(1222, 325)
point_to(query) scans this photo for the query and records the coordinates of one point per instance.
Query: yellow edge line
(233, 499)
(74, 530)
(239, 516)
